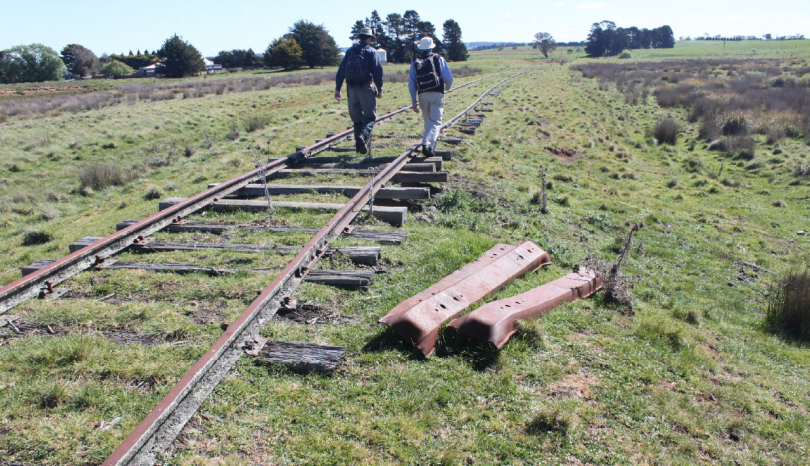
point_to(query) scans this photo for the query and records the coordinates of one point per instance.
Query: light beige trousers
(432, 106)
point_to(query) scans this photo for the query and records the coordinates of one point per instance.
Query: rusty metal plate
(495, 322)
(419, 322)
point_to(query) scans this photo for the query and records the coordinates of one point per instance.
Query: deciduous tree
(32, 63)
(80, 60)
(179, 58)
(545, 42)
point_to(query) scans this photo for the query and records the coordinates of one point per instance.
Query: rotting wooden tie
(298, 357)
(367, 255)
(343, 278)
(380, 236)
(257, 190)
(394, 215)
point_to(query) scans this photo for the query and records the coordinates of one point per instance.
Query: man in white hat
(429, 78)
(360, 67)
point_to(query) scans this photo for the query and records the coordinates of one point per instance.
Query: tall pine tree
(456, 50)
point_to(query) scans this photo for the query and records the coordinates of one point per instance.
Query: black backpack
(356, 67)
(427, 73)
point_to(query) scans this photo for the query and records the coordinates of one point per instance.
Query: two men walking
(429, 78)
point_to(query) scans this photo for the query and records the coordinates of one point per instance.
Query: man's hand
(337, 95)
(379, 94)
(415, 107)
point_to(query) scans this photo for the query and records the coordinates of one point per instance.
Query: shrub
(255, 123)
(743, 147)
(709, 129)
(735, 124)
(101, 175)
(666, 131)
(626, 54)
(116, 69)
(152, 194)
(788, 308)
(33, 237)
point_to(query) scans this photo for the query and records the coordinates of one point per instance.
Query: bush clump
(102, 175)
(34, 237)
(788, 308)
(255, 123)
(666, 131)
(626, 54)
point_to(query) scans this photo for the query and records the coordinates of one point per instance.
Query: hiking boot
(428, 152)
(361, 146)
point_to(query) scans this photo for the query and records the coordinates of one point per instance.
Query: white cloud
(593, 5)
(508, 15)
(560, 4)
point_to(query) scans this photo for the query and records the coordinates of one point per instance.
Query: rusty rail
(44, 279)
(162, 425)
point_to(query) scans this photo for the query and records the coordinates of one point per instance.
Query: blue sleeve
(341, 73)
(376, 70)
(444, 70)
(412, 83)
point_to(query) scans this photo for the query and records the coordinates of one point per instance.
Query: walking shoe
(429, 152)
(361, 146)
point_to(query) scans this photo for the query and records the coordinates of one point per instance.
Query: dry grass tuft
(102, 175)
(788, 308)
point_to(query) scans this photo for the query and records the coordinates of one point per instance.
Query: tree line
(305, 44)
(398, 34)
(606, 39)
(706, 36)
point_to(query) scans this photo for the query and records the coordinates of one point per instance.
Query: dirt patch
(203, 315)
(573, 386)
(312, 314)
(565, 154)
(14, 327)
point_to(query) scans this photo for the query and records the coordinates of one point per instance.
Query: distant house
(210, 66)
(147, 70)
(380, 52)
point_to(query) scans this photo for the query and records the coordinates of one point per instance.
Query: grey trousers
(362, 103)
(432, 106)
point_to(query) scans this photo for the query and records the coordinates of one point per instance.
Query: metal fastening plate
(419, 322)
(495, 322)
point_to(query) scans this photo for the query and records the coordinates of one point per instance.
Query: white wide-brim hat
(367, 32)
(425, 44)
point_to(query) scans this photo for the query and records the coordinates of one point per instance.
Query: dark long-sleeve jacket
(375, 70)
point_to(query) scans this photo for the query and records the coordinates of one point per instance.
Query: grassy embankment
(689, 377)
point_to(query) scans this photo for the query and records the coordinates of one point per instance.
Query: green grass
(587, 383)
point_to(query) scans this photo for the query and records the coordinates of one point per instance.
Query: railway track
(162, 425)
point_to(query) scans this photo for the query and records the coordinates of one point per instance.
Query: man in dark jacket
(360, 67)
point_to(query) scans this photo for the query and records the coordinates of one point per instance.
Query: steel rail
(162, 425)
(43, 280)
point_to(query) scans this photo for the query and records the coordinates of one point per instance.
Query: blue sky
(115, 26)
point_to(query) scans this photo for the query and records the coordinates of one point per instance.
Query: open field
(687, 375)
